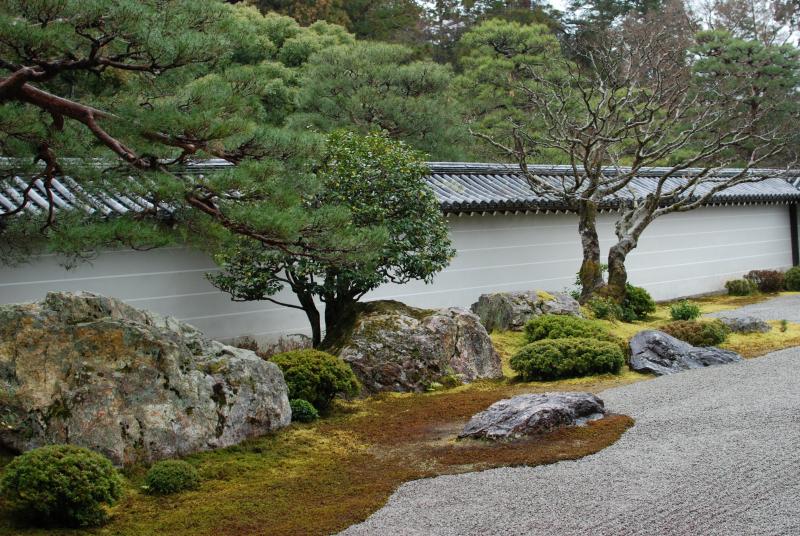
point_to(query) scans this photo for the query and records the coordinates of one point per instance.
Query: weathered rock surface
(533, 414)
(95, 372)
(393, 347)
(511, 310)
(658, 353)
(745, 324)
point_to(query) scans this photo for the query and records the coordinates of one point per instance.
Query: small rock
(512, 310)
(533, 414)
(745, 324)
(394, 347)
(658, 353)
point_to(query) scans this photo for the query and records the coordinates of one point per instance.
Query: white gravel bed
(714, 451)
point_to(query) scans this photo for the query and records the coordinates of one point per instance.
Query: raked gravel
(780, 308)
(714, 451)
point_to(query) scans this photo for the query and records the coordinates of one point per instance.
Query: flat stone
(533, 414)
(745, 324)
(658, 353)
(512, 310)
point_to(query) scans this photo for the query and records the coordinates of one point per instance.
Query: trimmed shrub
(792, 278)
(61, 485)
(684, 310)
(171, 476)
(637, 304)
(698, 333)
(741, 287)
(303, 410)
(766, 280)
(605, 308)
(316, 376)
(552, 359)
(562, 326)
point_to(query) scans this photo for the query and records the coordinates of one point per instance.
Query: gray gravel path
(780, 308)
(714, 451)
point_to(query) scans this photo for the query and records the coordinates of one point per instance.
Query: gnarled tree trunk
(591, 273)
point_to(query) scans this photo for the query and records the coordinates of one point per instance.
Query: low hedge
(698, 333)
(767, 280)
(566, 326)
(552, 359)
(171, 476)
(741, 287)
(792, 278)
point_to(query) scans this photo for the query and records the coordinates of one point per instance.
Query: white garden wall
(679, 255)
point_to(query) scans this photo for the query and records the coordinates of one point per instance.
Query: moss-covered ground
(320, 478)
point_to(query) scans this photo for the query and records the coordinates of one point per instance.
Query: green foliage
(605, 308)
(792, 278)
(564, 326)
(638, 302)
(369, 87)
(303, 410)
(381, 183)
(171, 476)
(61, 485)
(741, 287)
(316, 376)
(684, 310)
(698, 333)
(767, 280)
(551, 359)
(784, 326)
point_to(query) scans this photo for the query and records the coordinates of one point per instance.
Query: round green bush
(171, 476)
(605, 308)
(316, 376)
(792, 278)
(637, 304)
(741, 287)
(303, 410)
(61, 485)
(684, 310)
(698, 333)
(552, 359)
(566, 326)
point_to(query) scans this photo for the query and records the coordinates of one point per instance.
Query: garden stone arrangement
(533, 414)
(658, 353)
(394, 347)
(511, 310)
(92, 371)
(745, 324)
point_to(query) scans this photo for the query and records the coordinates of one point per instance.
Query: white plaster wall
(679, 255)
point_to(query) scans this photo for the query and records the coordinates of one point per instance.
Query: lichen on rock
(93, 371)
(511, 310)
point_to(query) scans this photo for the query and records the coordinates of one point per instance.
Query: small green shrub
(552, 359)
(316, 376)
(767, 280)
(637, 304)
(303, 410)
(684, 310)
(61, 485)
(171, 476)
(784, 326)
(698, 333)
(562, 326)
(605, 308)
(792, 278)
(741, 287)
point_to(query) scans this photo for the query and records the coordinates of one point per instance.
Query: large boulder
(95, 372)
(745, 324)
(658, 353)
(533, 414)
(511, 310)
(393, 347)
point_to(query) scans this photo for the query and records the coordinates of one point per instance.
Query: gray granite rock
(658, 353)
(92, 371)
(745, 324)
(533, 414)
(393, 347)
(511, 310)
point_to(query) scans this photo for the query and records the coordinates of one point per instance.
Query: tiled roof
(501, 187)
(460, 187)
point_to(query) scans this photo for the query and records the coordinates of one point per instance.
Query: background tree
(120, 95)
(639, 97)
(368, 86)
(382, 182)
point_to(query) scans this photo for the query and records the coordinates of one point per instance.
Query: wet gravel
(714, 451)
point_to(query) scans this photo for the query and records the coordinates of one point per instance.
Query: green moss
(544, 295)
